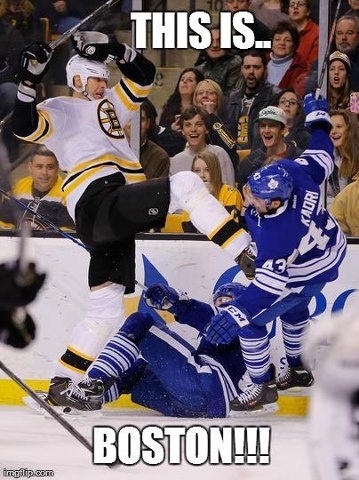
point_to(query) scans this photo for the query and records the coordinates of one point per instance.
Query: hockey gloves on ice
(101, 47)
(316, 110)
(163, 297)
(225, 326)
(246, 260)
(34, 62)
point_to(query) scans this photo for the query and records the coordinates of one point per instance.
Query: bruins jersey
(50, 206)
(87, 136)
(228, 196)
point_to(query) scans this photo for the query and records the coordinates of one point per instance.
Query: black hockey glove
(102, 48)
(34, 62)
(16, 328)
(18, 288)
(246, 260)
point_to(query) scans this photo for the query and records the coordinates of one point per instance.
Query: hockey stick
(326, 55)
(54, 227)
(46, 407)
(22, 271)
(74, 29)
(43, 219)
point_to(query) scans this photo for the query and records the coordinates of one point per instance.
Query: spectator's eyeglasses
(288, 102)
(297, 4)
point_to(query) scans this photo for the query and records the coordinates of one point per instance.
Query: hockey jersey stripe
(132, 171)
(43, 131)
(322, 157)
(72, 183)
(123, 164)
(269, 282)
(128, 94)
(136, 89)
(306, 271)
(229, 389)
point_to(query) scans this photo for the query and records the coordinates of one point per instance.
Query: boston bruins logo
(109, 122)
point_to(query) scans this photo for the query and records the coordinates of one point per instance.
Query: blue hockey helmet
(270, 183)
(232, 290)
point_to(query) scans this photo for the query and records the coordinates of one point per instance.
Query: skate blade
(264, 410)
(61, 410)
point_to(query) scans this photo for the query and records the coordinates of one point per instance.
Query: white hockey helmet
(85, 68)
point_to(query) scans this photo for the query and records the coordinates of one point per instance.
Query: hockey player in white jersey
(300, 248)
(105, 186)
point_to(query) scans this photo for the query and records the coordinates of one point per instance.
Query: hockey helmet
(232, 290)
(85, 68)
(270, 183)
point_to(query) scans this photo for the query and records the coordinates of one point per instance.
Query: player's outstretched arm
(34, 63)
(188, 311)
(104, 48)
(317, 158)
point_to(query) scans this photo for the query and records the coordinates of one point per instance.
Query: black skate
(258, 398)
(84, 397)
(295, 377)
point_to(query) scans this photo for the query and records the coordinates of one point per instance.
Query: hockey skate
(258, 398)
(84, 399)
(295, 377)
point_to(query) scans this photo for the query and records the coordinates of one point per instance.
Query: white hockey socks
(105, 313)
(189, 193)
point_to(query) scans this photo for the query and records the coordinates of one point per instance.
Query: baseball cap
(272, 113)
(340, 56)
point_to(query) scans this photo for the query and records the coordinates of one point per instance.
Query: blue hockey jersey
(300, 244)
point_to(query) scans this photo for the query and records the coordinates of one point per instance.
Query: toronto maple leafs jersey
(301, 243)
(87, 136)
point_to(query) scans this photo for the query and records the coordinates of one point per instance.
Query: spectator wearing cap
(153, 158)
(241, 108)
(272, 122)
(286, 67)
(347, 41)
(299, 14)
(339, 80)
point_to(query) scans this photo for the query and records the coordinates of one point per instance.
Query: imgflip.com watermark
(27, 473)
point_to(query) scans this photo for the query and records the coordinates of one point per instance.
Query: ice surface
(31, 441)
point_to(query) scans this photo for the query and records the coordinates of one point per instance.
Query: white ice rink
(30, 441)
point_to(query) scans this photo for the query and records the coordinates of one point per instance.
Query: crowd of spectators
(230, 113)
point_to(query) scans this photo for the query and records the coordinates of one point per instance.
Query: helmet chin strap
(87, 95)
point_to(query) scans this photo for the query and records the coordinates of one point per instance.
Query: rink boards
(187, 262)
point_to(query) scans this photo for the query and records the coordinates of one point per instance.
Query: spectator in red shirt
(299, 13)
(286, 67)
